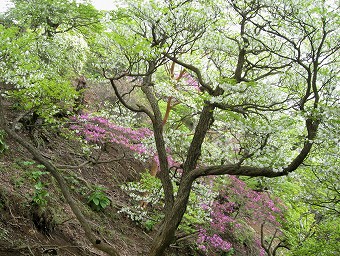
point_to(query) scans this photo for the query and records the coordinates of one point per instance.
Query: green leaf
(96, 201)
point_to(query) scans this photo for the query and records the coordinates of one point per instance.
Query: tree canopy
(242, 88)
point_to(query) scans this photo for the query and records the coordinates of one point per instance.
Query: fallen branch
(93, 162)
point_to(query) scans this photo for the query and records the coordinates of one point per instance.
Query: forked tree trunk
(166, 235)
(172, 220)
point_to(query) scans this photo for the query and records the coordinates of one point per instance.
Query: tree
(43, 48)
(312, 196)
(265, 79)
(40, 60)
(266, 72)
(50, 18)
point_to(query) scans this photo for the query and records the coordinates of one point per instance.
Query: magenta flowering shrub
(235, 213)
(236, 216)
(100, 130)
(252, 206)
(212, 244)
(191, 81)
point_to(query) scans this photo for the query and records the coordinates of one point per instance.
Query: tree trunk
(165, 236)
(174, 215)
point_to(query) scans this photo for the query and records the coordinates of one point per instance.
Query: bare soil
(53, 229)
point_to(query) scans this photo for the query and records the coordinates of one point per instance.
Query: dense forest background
(170, 127)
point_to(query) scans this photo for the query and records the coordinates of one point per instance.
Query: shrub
(98, 200)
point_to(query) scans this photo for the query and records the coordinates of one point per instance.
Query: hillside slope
(32, 227)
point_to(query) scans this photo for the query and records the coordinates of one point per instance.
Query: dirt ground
(26, 230)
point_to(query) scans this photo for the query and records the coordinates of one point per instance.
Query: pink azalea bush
(212, 243)
(234, 213)
(100, 130)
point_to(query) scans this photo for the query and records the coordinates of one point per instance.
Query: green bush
(149, 190)
(34, 173)
(46, 98)
(98, 200)
(40, 194)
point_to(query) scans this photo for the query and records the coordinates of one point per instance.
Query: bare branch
(93, 162)
(125, 104)
(195, 70)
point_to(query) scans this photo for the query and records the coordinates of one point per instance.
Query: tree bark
(165, 236)
(201, 130)
(175, 214)
(157, 123)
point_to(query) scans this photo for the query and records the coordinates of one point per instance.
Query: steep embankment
(34, 217)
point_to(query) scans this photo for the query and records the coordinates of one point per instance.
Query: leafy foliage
(50, 18)
(47, 98)
(44, 49)
(40, 194)
(34, 173)
(246, 88)
(148, 191)
(98, 200)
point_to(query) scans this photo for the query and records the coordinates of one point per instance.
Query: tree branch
(195, 70)
(96, 242)
(125, 104)
(92, 161)
(237, 169)
(157, 122)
